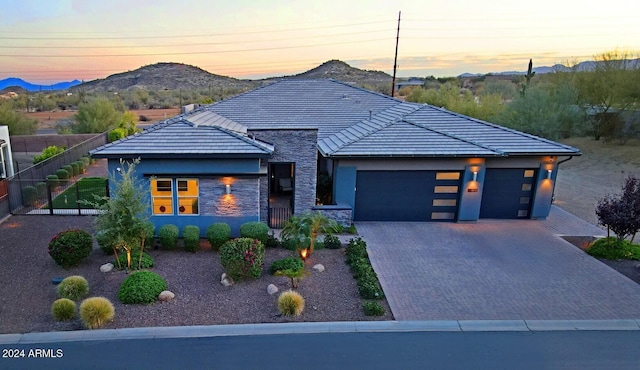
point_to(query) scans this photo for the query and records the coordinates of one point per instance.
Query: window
(529, 173)
(187, 196)
(445, 189)
(448, 176)
(162, 196)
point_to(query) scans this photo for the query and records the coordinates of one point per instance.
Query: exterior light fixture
(227, 189)
(475, 176)
(304, 254)
(549, 174)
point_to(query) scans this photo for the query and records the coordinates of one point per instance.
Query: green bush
(29, 196)
(372, 309)
(47, 153)
(332, 242)
(146, 263)
(63, 309)
(272, 242)
(69, 169)
(614, 249)
(290, 244)
(42, 189)
(362, 268)
(191, 238)
(117, 134)
(218, 234)
(70, 247)
(168, 235)
(73, 287)
(86, 161)
(289, 263)
(62, 174)
(290, 303)
(141, 287)
(369, 288)
(242, 258)
(357, 248)
(53, 181)
(150, 230)
(255, 230)
(104, 242)
(96, 311)
(81, 165)
(75, 169)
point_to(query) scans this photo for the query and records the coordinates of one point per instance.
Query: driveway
(496, 269)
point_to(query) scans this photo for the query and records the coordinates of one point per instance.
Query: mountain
(18, 82)
(341, 71)
(585, 66)
(165, 76)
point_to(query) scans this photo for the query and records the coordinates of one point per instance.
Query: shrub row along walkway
(511, 269)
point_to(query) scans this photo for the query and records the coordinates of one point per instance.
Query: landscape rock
(166, 295)
(272, 289)
(318, 267)
(107, 267)
(226, 280)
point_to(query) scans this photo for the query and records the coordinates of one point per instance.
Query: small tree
(124, 221)
(307, 227)
(621, 214)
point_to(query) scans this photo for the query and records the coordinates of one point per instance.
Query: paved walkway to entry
(496, 270)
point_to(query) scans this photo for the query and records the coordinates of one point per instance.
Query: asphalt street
(377, 350)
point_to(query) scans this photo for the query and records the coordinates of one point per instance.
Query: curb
(322, 328)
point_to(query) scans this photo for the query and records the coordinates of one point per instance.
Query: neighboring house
(258, 155)
(6, 160)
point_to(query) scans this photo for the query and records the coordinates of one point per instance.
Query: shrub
(86, 161)
(272, 242)
(362, 268)
(352, 229)
(614, 249)
(372, 309)
(47, 153)
(29, 196)
(369, 288)
(42, 189)
(117, 134)
(96, 311)
(146, 263)
(69, 169)
(218, 234)
(81, 165)
(289, 263)
(70, 247)
(290, 303)
(141, 287)
(63, 309)
(73, 287)
(191, 238)
(290, 244)
(149, 229)
(75, 169)
(242, 258)
(104, 242)
(53, 181)
(332, 242)
(357, 248)
(62, 174)
(168, 235)
(255, 230)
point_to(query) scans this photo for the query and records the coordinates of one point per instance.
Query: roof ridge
(246, 139)
(372, 131)
(494, 125)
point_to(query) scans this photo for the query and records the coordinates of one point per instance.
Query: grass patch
(84, 189)
(614, 249)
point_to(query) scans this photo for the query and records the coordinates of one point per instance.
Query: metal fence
(58, 197)
(37, 173)
(278, 217)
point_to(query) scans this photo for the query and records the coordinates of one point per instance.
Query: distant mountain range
(586, 66)
(18, 82)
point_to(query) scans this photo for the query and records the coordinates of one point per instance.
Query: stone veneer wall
(340, 214)
(243, 200)
(301, 148)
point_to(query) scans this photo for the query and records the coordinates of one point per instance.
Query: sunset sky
(46, 41)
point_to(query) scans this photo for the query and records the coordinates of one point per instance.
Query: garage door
(507, 193)
(407, 195)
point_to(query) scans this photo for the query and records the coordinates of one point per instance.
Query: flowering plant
(70, 247)
(242, 258)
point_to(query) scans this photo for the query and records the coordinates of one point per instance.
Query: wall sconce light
(549, 174)
(227, 189)
(475, 176)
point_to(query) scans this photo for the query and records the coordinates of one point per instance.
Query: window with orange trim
(187, 196)
(162, 196)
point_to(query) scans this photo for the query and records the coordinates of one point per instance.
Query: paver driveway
(492, 269)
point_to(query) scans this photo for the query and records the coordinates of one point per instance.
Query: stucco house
(259, 156)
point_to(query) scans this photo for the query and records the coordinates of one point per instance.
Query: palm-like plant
(307, 227)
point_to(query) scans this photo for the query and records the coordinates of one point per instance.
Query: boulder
(318, 267)
(226, 280)
(166, 295)
(107, 267)
(272, 289)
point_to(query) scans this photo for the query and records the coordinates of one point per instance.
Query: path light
(304, 254)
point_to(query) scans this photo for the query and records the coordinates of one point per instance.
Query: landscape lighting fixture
(227, 189)
(549, 174)
(475, 176)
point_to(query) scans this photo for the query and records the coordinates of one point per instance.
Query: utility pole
(395, 59)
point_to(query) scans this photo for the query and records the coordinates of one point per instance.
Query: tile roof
(181, 138)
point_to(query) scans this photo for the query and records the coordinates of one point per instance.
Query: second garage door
(508, 193)
(407, 195)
